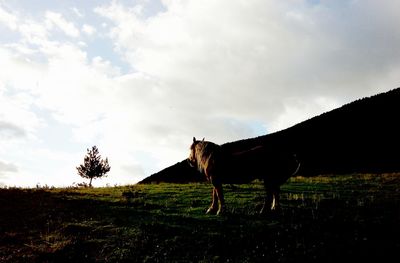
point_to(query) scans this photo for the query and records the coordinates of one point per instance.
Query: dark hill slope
(180, 172)
(362, 136)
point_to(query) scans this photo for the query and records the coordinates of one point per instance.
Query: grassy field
(326, 218)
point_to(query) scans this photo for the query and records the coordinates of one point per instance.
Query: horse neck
(205, 150)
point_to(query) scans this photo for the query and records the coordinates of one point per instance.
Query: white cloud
(33, 32)
(245, 61)
(88, 29)
(9, 130)
(8, 19)
(54, 19)
(77, 12)
(6, 167)
(17, 77)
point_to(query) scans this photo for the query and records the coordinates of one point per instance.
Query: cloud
(9, 130)
(17, 78)
(77, 12)
(33, 32)
(57, 20)
(6, 168)
(8, 19)
(248, 61)
(88, 29)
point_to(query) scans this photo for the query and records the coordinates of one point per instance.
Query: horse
(221, 167)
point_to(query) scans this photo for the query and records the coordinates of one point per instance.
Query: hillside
(361, 136)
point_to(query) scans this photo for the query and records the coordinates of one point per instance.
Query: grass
(326, 218)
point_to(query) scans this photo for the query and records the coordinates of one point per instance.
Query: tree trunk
(90, 183)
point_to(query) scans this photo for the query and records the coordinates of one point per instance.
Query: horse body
(220, 167)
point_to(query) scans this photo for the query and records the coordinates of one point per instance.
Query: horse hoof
(264, 211)
(221, 211)
(211, 211)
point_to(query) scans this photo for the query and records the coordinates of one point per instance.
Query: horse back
(259, 163)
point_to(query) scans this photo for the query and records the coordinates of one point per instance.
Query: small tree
(93, 166)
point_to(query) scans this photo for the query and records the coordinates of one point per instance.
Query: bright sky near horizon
(140, 78)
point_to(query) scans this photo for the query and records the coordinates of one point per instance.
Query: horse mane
(206, 154)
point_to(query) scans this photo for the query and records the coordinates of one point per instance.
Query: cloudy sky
(140, 78)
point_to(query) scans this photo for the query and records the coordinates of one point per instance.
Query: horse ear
(194, 139)
(203, 140)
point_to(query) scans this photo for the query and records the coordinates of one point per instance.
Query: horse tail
(298, 165)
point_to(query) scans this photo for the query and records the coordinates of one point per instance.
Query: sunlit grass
(167, 222)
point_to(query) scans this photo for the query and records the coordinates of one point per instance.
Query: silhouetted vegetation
(93, 166)
(360, 137)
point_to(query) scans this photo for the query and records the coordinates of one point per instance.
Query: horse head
(192, 160)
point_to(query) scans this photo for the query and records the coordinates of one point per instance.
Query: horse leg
(275, 206)
(220, 195)
(214, 205)
(271, 201)
(267, 202)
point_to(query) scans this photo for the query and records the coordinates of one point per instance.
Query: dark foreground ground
(324, 219)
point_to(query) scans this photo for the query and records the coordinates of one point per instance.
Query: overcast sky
(140, 78)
